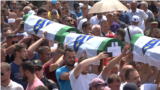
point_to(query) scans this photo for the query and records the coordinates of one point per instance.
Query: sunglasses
(13, 42)
(104, 84)
(38, 69)
(53, 13)
(2, 73)
(68, 20)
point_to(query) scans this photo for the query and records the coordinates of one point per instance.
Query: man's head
(104, 26)
(5, 72)
(114, 70)
(30, 5)
(86, 68)
(99, 15)
(96, 30)
(86, 26)
(84, 9)
(38, 68)
(13, 4)
(4, 12)
(57, 54)
(156, 33)
(65, 11)
(114, 82)
(128, 5)
(133, 5)
(16, 10)
(67, 20)
(54, 14)
(42, 12)
(76, 7)
(69, 57)
(98, 84)
(27, 70)
(5, 32)
(153, 23)
(120, 34)
(26, 9)
(20, 51)
(65, 4)
(44, 53)
(11, 39)
(135, 20)
(116, 16)
(35, 9)
(3, 54)
(123, 71)
(132, 75)
(130, 86)
(144, 5)
(109, 16)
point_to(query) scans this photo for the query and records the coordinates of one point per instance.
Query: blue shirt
(63, 84)
(124, 17)
(114, 26)
(78, 14)
(15, 75)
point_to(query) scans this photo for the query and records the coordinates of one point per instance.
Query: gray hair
(28, 8)
(144, 3)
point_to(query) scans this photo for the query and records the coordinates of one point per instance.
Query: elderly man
(142, 15)
(26, 9)
(96, 30)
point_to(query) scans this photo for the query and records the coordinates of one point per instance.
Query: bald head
(96, 30)
(123, 71)
(133, 5)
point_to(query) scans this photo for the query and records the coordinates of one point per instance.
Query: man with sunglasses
(51, 85)
(98, 84)
(6, 82)
(13, 4)
(77, 9)
(20, 54)
(67, 20)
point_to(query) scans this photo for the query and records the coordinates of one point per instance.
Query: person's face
(13, 4)
(54, 15)
(135, 78)
(16, 11)
(109, 17)
(77, 10)
(84, 11)
(3, 55)
(12, 41)
(114, 71)
(142, 6)
(153, 26)
(86, 69)
(104, 26)
(35, 10)
(39, 72)
(117, 36)
(5, 75)
(46, 55)
(70, 58)
(133, 5)
(23, 74)
(115, 17)
(97, 32)
(44, 15)
(66, 5)
(115, 85)
(23, 54)
(99, 15)
(156, 35)
(68, 21)
(88, 28)
(6, 33)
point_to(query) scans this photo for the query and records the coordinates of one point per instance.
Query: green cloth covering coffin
(146, 50)
(93, 45)
(37, 25)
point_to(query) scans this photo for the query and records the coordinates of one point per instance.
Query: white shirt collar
(9, 85)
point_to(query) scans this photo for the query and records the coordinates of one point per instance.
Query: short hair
(81, 59)
(113, 77)
(28, 65)
(58, 51)
(65, 2)
(42, 48)
(121, 32)
(3, 10)
(128, 72)
(65, 9)
(104, 21)
(68, 50)
(34, 7)
(144, 3)
(85, 24)
(6, 25)
(41, 10)
(11, 35)
(18, 47)
(156, 30)
(5, 6)
(6, 66)
(6, 29)
(64, 17)
(41, 88)
(27, 8)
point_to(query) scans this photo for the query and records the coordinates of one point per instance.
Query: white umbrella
(107, 6)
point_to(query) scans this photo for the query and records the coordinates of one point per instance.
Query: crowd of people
(29, 62)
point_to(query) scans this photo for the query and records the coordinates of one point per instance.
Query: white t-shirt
(132, 30)
(82, 82)
(12, 86)
(94, 20)
(81, 23)
(143, 86)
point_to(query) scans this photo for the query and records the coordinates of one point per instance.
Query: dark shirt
(73, 15)
(122, 24)
(124, 17)
(114, 27)
(9, 59)
(49, 84)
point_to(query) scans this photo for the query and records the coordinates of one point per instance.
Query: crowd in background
(33, 63)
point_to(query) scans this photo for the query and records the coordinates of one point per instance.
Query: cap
(130, 86)
(111, 13)
(37, 63)
(145, 3)
(31, 12)
(98, 83)
(110, 36)
(76, 5)
(153, 20)
(135, 18)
